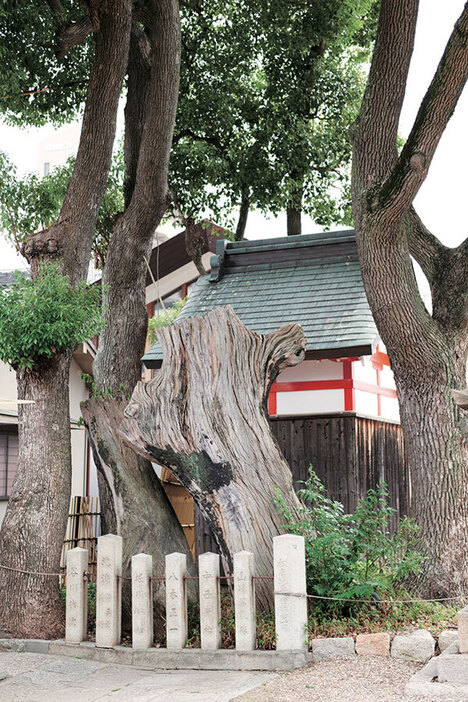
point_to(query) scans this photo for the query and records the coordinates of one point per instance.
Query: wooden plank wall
(350, 454)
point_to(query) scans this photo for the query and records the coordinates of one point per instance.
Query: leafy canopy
(44, 316)
(268, 92)
(163, 318)
(32, 203)
(30, 64)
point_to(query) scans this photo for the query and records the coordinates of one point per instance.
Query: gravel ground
(357, 679)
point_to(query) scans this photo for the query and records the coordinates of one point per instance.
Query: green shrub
(351, 556)
(163, 318)
(44, 316)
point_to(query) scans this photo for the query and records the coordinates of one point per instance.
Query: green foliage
(371, 618)
(265, 116)
(29, 64)
(96, 392)
(163, 318)
(32, 203)
(44, 316)
(352, 556)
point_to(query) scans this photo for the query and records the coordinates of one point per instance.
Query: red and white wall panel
(363, 385)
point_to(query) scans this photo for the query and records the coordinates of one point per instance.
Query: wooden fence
(350, 454)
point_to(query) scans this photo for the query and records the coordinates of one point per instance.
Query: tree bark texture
(134, 503)
(138, 508)
(427, 352)
(34, 525)
(293, 221)
(242, 221)
(294, 208)
(204, 416)
(147, 147)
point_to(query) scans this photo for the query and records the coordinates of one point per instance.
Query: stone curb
(163, 659)
(421, 683)
(25, 645)
(185, 659)
(198, 659)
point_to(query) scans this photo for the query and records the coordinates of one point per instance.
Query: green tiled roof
(314, 280)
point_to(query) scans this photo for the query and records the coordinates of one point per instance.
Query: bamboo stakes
(81, 530)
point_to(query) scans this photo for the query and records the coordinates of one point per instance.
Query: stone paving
(33, 677)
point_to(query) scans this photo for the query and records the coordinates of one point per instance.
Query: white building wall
(387, 379)
(364, 371)
(323, 401)
(390, 408)
(312, 370)
(366, 403)
(310, 402)
(79, 442)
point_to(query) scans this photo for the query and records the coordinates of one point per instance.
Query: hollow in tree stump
(204, 416)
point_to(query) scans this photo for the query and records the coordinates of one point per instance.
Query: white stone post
(108, 591)
(77, 596)
(142, 602)
(244, 601)
(210, 601)
(176, 600)
(463, 630)
(290, 578)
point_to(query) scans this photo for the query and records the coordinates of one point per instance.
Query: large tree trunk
(436, 449)
(427, 352)
(33, 529)
(34, 525)
(242, 221)
(138, 508)
(293, 221)
(204, 416)
(294, 208)
(134, 502)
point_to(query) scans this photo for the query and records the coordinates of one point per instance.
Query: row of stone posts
(289, 584)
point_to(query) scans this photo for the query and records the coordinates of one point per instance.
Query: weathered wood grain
(204, 416)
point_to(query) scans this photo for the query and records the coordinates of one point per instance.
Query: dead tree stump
(204, 416)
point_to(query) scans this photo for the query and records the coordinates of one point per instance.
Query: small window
(46, 168)
(8, 461)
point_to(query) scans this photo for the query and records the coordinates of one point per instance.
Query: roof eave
(313, 354)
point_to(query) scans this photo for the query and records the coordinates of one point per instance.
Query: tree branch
(138, 80)
(73, 33)
(150, 194)
(424, 247)
(400, 188)
(58, 10)
(385, 92)
(213, 141)
(71, 236)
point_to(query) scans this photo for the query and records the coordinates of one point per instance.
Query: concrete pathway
(34, 677)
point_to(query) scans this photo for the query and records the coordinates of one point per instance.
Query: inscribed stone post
(77, 596)
(176, 600)
(210, 601)
(290, 592)
(463, 630)
(244, 601)
(108, 591)
(142, 602)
